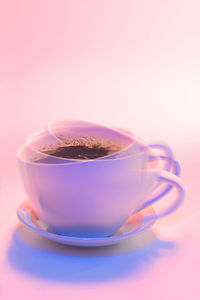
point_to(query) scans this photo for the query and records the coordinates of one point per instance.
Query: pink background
(133, 64)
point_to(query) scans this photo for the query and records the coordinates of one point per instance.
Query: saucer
(134, 225)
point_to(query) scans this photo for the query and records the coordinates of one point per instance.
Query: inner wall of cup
(28, 154)
(44, 142)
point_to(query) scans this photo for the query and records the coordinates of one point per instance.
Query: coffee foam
(89, 142)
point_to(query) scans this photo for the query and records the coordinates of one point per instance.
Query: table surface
(130, 64)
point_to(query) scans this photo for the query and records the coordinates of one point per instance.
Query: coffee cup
(93, 198)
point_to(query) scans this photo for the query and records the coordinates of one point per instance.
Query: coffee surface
(83, 148)
(80, 152)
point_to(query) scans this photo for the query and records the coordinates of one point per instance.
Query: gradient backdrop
(133, 64)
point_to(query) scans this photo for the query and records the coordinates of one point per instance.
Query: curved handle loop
(176, 171)
(173, 181)
(167, 153)
(170, 163)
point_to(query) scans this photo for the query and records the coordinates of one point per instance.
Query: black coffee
(83, 148)
(80, 152)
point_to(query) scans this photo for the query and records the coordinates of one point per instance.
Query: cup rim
(68, 160)
(80, 160)
(77, 161)
(20, 149)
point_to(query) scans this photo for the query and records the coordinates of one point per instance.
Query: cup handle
(176, 170)
(166, 149)
(170, 163)
(167, 153)
(175, 182)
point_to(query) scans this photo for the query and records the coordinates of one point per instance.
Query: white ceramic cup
(92, 198)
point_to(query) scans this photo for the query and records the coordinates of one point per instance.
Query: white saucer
(134, 225)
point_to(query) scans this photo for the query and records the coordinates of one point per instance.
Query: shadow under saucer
(37, 256)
